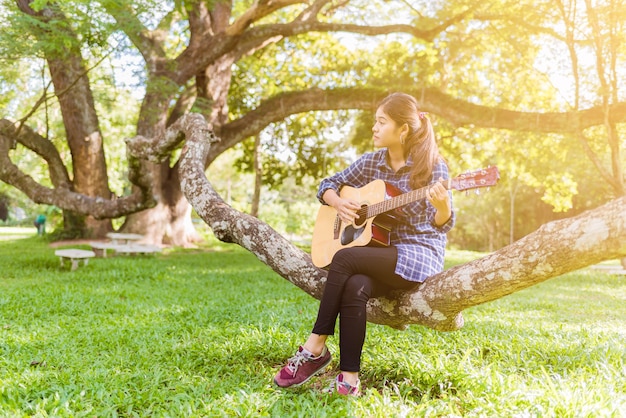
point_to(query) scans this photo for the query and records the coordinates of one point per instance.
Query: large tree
(556, 248)
(194, 66)
(194, 53)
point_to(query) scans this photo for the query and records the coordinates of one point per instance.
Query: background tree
(206, 57)
(475, 67)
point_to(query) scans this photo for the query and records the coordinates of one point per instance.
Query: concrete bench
(121, 238)
(74, 255)
(100, 248)
(137, 249)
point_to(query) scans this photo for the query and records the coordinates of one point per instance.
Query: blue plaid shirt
(420, 243)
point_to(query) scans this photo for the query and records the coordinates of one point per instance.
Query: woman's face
(386, 132)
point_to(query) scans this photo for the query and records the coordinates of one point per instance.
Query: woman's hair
(420, 142)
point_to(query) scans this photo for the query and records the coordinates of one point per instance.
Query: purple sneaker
(344, 388)
(301, 367)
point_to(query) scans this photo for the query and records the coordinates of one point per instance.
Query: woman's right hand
(347, 210)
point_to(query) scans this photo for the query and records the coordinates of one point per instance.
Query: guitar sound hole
(351, 234)
(360, 221)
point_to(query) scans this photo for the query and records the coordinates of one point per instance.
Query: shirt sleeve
(358, 174)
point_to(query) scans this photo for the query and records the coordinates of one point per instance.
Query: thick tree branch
(556, 248)
(62, 195)
(149, 43)
(257, 11)
(456, 111)
(203, 54)
(41, 146)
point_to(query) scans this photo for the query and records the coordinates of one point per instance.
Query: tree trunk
(83, 135)
(71, 85)
(169, 222)
(554, 249)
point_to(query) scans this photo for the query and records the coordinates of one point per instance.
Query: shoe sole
(318, 371)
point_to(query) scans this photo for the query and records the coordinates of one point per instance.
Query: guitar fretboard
(399, 201)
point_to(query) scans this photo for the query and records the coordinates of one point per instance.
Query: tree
(69, 76)
(556, 248)
(193, 68)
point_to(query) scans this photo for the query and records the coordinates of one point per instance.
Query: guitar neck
(400, 200)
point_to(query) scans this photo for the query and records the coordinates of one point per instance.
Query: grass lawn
(202, 333)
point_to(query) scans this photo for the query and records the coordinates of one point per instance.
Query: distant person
(408, 158)
(40, 224)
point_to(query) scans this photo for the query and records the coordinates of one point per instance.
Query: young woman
(408, 159)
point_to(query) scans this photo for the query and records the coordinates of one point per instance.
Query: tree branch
(149, 43)
(203, 54)
(257, 11)
(62, 195)
(41, 146)
(456, 111)
(556, 248)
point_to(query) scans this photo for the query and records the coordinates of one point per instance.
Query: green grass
(202, 333)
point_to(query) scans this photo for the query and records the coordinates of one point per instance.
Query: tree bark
(71, 85)
(62, 194)
(554, 249)
(169, 221)
(216, 42)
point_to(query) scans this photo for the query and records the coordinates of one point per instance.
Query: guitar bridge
(337, 227)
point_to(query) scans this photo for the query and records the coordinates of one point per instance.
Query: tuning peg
(467, 193)
(477, 191)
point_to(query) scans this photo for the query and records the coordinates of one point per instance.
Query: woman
(408, 159)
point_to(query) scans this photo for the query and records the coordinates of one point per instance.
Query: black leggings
(355, 275)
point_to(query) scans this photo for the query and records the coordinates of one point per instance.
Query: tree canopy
(531, 87)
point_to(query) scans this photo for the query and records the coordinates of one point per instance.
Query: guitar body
(331, 234)
(378, 201)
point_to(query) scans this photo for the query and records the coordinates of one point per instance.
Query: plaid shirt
(421, 244)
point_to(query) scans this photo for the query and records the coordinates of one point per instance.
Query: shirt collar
(382, 161)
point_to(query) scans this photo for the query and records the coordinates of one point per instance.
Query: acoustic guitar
(375, 218)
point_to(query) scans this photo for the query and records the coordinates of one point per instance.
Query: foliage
(290, 209)
(308, 144)
(202, 332)
(526, 56)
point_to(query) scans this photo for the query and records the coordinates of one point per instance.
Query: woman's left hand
(438, 196)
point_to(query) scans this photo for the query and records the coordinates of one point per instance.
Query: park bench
(74, 255)
(137, 249)
(121, 238)
(119, 241)
(100, 248)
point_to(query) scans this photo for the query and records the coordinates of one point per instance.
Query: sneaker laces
(296, 361)
(336, 383)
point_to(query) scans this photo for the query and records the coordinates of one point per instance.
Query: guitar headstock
(485, 177)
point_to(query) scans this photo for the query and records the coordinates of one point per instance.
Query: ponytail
(423, 149)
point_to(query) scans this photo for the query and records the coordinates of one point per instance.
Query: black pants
(355, 275)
